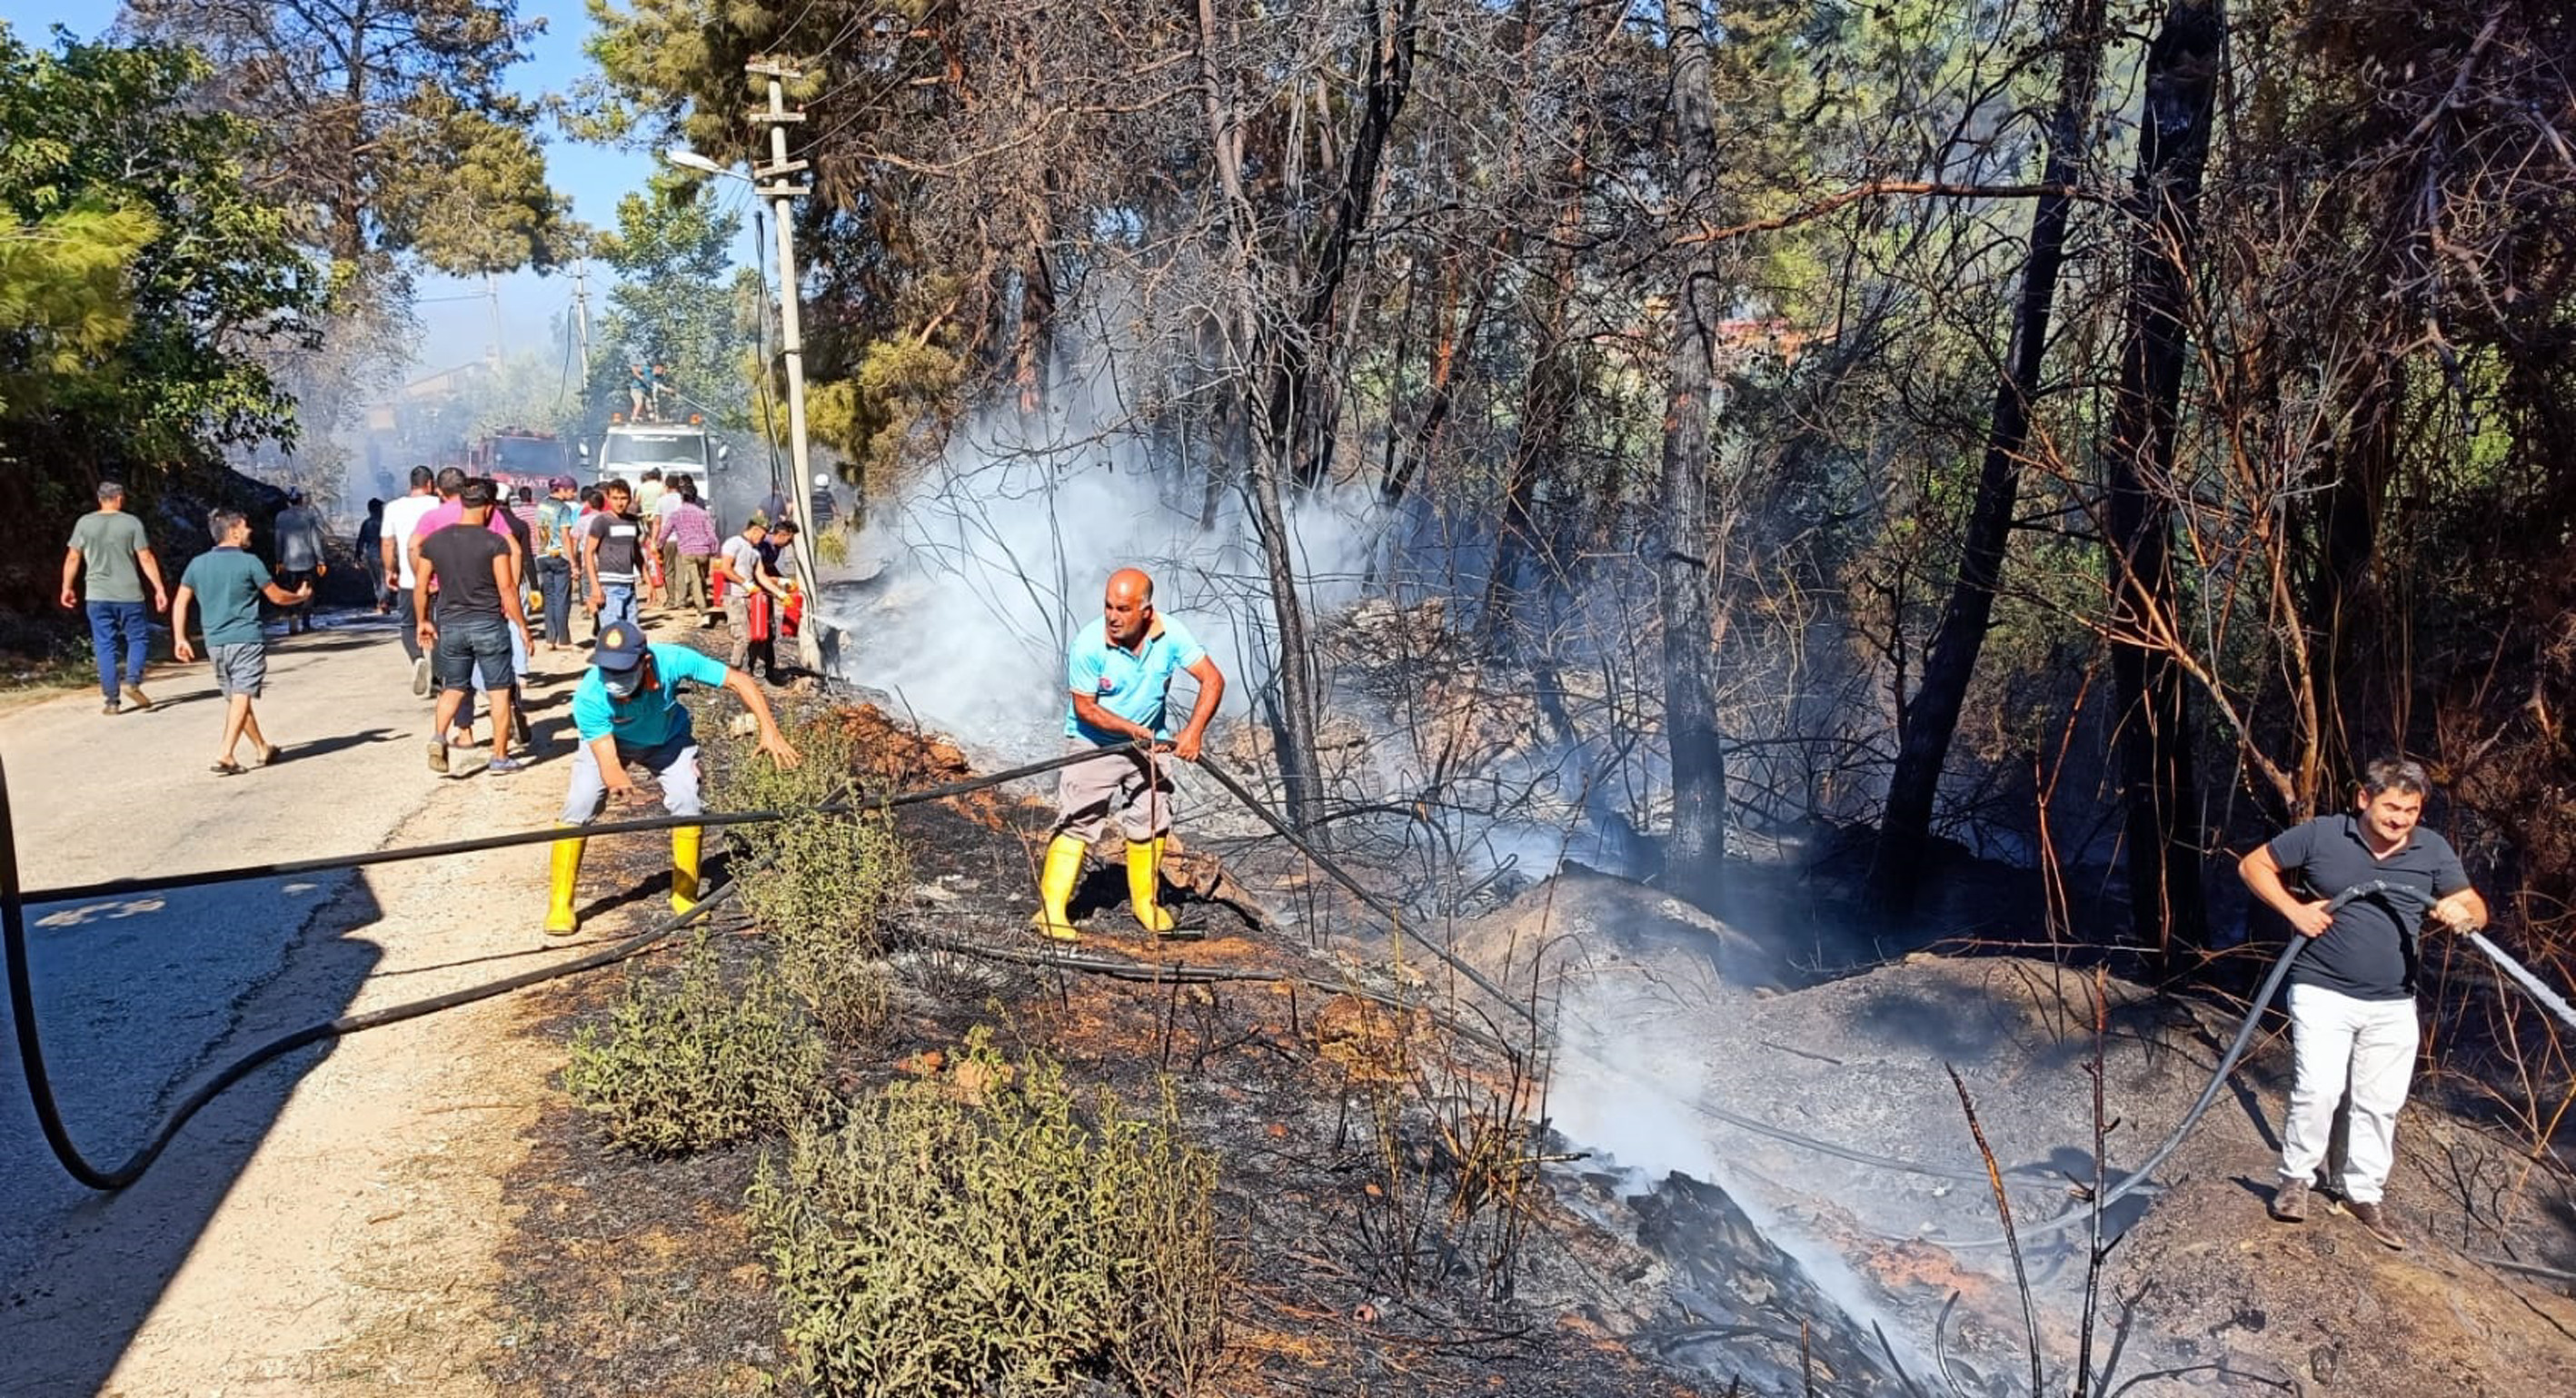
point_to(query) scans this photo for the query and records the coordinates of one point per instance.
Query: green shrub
(820, 885)
(684, 1064)
(983, 1232)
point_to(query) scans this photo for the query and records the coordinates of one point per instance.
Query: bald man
(1118, 675)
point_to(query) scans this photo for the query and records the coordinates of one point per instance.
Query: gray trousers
(674, 764)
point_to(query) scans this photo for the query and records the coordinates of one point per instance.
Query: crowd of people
(469, 569)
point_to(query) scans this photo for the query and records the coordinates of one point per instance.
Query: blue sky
(457, 317)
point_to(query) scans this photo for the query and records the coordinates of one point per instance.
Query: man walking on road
(2352, 995)
(1118, 675)
(690, 533)
(402, 524)
(117, 555)
(230, 582)
(627, 710)
(477, 608)
(612, 555)
(300, 557)
(554, 559)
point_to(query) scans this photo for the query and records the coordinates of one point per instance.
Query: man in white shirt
(402, 519)
(665, 548)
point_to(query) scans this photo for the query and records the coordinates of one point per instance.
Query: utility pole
(777, 184)
(581, 320)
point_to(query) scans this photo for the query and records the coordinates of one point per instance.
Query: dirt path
(331, 1226)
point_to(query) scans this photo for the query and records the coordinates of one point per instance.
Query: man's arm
(152, 569)
(773, 742)
(1087, 708)
(71, 570)
(422, 573)
(1211, 693)
(179, 623)
(386, 546)
(2262, 876)
(612, 773)
(284, 598)
(501, 570)
(590, 567)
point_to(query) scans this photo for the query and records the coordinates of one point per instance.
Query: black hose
(154, 883)
(2218, 1076)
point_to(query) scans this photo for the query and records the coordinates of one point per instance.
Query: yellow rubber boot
(684, 867)
(1144, 882)
(1055, 889)
(561, 920)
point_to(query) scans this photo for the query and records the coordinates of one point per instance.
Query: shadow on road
(139, 1000)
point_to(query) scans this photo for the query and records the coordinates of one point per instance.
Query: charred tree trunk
(1694, 852)
(1928, 721)
(1547, 400)
(1295, 713)
(1297, 417)
(2152, 731)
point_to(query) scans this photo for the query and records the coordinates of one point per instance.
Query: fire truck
(518, 456)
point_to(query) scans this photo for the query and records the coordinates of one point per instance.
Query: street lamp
(791, 345)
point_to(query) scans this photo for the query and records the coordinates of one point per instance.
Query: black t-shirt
(620, 550)
(461, 555)
(2368, 952)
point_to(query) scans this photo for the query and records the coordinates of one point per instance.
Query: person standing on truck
(301, 562)
(612, 556)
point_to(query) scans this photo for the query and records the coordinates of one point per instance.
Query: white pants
(2337, 1042)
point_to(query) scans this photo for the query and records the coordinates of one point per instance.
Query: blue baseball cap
(620, 657)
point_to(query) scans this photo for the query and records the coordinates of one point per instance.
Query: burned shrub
(987, 1231)
(684, 1063)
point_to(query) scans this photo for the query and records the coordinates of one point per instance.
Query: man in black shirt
(477, 608)
(2352, 993)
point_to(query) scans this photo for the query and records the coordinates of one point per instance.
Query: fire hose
(2418, 903)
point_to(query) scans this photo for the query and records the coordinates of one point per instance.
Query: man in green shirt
(112, 546)
(230, 581)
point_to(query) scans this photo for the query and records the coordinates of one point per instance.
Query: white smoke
(996, 555)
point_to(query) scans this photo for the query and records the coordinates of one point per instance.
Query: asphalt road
(137, 997)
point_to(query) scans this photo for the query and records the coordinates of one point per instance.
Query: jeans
(554, 583)
(618, 604)
(2336, 1042)
(406, 624)
(117, 630)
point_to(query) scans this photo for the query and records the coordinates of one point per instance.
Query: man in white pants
(2352, 994)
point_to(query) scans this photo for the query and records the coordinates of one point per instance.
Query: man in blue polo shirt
(1117, 675)
(2352, 993)
(627, 710)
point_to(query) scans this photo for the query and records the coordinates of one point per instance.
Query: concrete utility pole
(782, 191)
(581, 320)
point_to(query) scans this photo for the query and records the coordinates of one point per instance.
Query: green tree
(676, 302)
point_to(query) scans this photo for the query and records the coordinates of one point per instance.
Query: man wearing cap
(300, 561)
(627, 710)
(1118, 673)
(556, 516)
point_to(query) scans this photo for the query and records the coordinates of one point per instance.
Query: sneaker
(437, 755)
(2375, 1221)
(109, 707)
(2290, 1201)
(420, 680)
(134, 695)
(505, 765)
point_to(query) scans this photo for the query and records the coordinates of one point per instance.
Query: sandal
(226, 768)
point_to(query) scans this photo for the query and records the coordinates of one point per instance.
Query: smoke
(995, 557)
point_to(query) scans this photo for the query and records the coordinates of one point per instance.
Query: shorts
(240, 669)
(1139, 789)
(674, 764)
(518, 663)
(463, 646)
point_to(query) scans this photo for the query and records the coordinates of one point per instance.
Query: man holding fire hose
(1118, 674)
(2352, 994)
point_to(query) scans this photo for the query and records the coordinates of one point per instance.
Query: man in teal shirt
(627, 710)
(229, 580)
(1117, 677)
